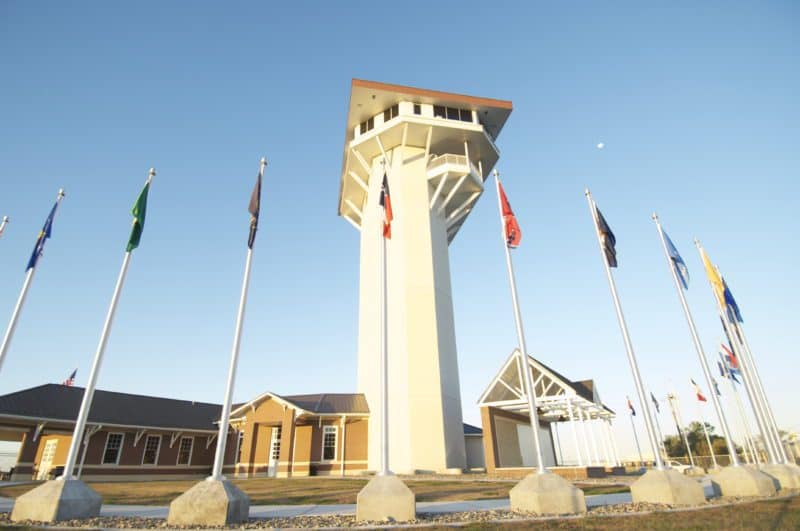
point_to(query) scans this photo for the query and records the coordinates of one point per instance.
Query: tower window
(417, 108)
(439, 111)
(391, 112)
(369, 125)
(452, 114)
(466, 115)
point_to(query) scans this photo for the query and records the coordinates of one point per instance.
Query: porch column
(613, 442)
(593, 439)
(574, 432)
(343, 424)
(604, 441)
(585, 436)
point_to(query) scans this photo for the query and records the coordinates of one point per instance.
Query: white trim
(138, 437)
(210, 439)
(191, 451)
(174, 437)
(119, 450)
(158, 450)
(335, 431)
(118, 426)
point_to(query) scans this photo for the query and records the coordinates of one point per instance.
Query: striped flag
(630, 407)
(698, 392)
(386, 206)
(511, 229)
(69, 382)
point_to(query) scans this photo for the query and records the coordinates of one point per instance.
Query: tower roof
(368, 98)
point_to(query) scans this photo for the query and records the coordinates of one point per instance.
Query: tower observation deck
(437, 149)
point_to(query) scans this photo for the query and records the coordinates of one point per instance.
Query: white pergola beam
(359, 181)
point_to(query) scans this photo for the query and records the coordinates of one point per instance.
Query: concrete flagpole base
(57, 500)
(386, 498)
(742, 481)
(547, 494)
(211, 502)
(694, 472)
(787, 475)
(667, 486)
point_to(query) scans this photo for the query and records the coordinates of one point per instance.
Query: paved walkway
(276, 511)
(282, 511)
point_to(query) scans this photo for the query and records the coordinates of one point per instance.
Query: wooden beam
(361, 160)
(358, 180)
(174, 437)
(355, 208)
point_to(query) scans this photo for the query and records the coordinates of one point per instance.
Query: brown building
(142, 437)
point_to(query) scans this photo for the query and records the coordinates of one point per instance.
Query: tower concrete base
(210, 502)
(667, 486)
(787, 475)
(57, 500)
(385, 498)
(741, 481)
(547, 494)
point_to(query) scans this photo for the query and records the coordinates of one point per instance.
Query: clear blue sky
(697, 106)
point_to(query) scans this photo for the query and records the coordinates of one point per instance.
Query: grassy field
(276, 491)
(773, 515)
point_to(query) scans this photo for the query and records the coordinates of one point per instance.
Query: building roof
(55, 402)
(469, 429)
(330, 403)
(60, 403)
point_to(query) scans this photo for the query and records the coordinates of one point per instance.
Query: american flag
(386, 205)
(69, 382)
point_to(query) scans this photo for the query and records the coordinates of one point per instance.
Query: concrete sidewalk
(285, 511)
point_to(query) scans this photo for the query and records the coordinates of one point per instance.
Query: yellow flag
(713, 277)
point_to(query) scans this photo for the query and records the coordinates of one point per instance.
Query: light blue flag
(677, 261)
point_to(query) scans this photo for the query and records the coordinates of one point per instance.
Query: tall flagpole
(222, 434)
(744, 366)
(760, 388)
(708, 438)
(661, 447)
(522, 349)
(637, 378)
(12, 325)
(3, 224)
(636, 438)
(88, 393)
(676, 416)
(699, 348)
(384, 362)
(754, 457)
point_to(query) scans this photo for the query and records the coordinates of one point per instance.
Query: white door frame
(46, 463)
(274, 440)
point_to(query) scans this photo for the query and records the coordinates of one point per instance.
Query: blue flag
(44, 234)
(730, 302)
(677, 262)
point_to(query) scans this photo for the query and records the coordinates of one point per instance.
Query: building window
(466, 115)
(417, 108)
(275, 452)
(151, 447)
(185, 450)
(439, 111)
(239, 443)
(328, 443)
(113, 448)
(391, 112)
(453, 113)
(369, 125)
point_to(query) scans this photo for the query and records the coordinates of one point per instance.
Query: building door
(46, 463)
(274, 452)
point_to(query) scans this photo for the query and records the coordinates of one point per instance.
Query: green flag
(139, 210)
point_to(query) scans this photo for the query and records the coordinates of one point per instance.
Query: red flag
(386, 204)
(698, 392)
(734, 363)
(512, 231)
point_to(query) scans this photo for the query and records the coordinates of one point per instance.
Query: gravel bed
(347, 521)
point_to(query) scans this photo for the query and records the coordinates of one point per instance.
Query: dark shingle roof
(59, 402)
(469, 429)
(330, 403)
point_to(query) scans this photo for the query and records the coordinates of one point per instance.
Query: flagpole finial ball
(654, 216)
(496, 173)
(5, 219)
(586, 192)
(61, 193)
(263, 161)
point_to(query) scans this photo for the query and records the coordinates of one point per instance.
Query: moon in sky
(600, 145)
